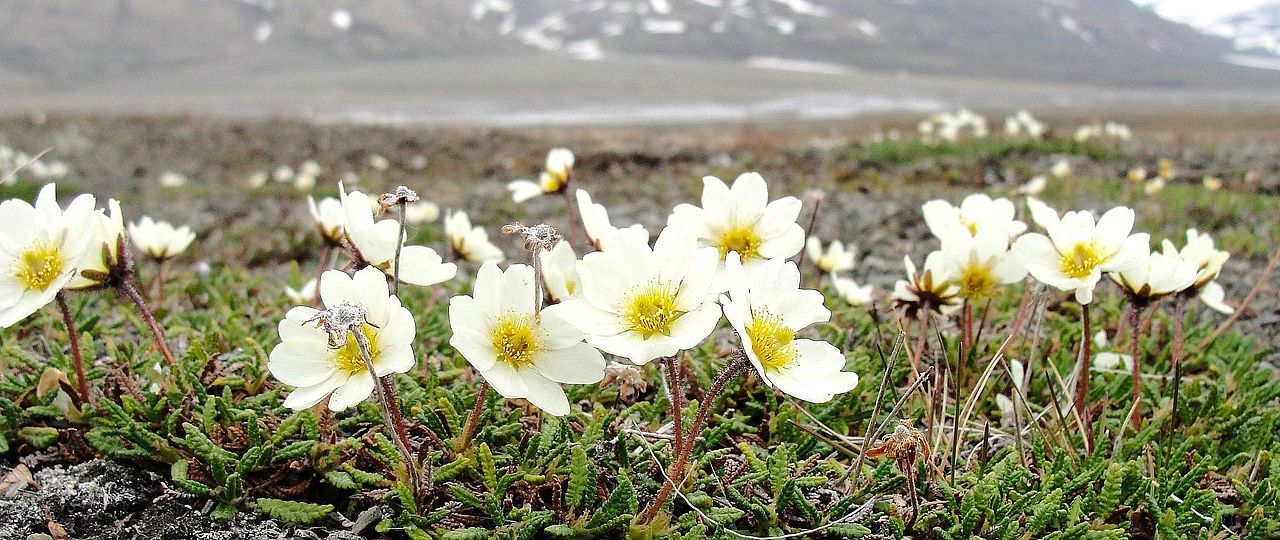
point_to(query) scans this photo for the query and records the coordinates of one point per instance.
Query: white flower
(643, 303)
(834, 259)
(1061, 169)
(282, 174)
(1157, 276)
(172, 179)
(1208, 260)
(560, 272)
(1137, 174)
(305, 359)
(467, 242)
(521, 353)
(375, 244)
(851, 292)
(767, 308)
(932, 289)
(378, 163)
(302, 295)
(258, 179)
(1212, 183)
(1034, 186)
(595, 219)
(1113, 360)
(40, 247)
(1077, 251)
(421, 212)
(980, 264)
(554, 178)
(1153, 186)
(741, 219)
(103, 254)
(330, 219)
(977, 213)
(160, 240)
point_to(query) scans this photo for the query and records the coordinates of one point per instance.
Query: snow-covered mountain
(1106, 42)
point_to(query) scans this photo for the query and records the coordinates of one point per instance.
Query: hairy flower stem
(1022, 310)
(918, 353)
(82, 384)
(473, 419)
(682, 455)
(571, 215)
(1257, 287)
(384, 389)
(160, 276)
(1085, 362)
(808, 230)
(130, 287)
(675, 397)
(1135, 322)
(395, 265)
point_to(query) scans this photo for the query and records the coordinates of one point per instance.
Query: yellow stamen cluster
(38, 266)
(650, 308)
(740, 238)
(771, 340)
(976, 281)
(1081, 260)
(515, 339)
(348, 357)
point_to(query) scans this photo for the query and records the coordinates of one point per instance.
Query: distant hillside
(69, 43)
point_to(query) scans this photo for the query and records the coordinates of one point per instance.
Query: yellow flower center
(552, 182)
(971, 225)
(349, 358)
(651, 308)
(976, 281)
(740, 238)
(771, 340)
(38, 266)
(515, 339)
(1081, 260)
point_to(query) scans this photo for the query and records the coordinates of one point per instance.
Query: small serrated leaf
(302, 513)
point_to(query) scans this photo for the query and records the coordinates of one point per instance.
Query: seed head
(401, 195)
(338, 320)
(540, 237)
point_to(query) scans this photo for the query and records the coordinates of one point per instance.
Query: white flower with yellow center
(560, 272)
(40, 247)
(308, 359)
(976, 213)
(521, 353)
(103, 255)
(741, 219)
(330, 219)
(767, 308)
(595, 220)
(849, 291)
(834, 259)
(160, 240)
(421, 212)
(1208, 260)
(554, 178)
(932, 289)
(643, 303)
(469, 243)
(375, 244)
(1061, 169)
(980, 264)
(1077, 251)
(1158, 275)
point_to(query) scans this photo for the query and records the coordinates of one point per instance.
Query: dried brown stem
(1257, 287)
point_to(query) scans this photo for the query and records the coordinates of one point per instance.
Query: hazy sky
(1198, 11)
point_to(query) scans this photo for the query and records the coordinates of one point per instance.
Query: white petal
(578, 364)
(544, 393)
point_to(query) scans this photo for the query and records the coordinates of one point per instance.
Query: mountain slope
(70, 43)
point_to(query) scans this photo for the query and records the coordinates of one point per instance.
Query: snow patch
(262, 32)
(1070, 24)
(1253, 61)
(585, 49)
(661, 7)
(663, 26)
(867, 27)
(797, 65)
(341, 19)
(804, 7)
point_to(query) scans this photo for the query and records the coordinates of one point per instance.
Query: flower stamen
(1081, 260)
(38, 266)
(515, 339)
(651, 308)
(771, 340)
(740, 238)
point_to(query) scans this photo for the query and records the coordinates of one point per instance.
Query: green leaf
(39, 437)
(579, 477)
(302, 513)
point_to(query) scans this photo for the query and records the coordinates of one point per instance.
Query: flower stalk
(1084, 363)
(392, 419)
(730, 371)
(130, 288)
(82, 384)
(473, 419)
